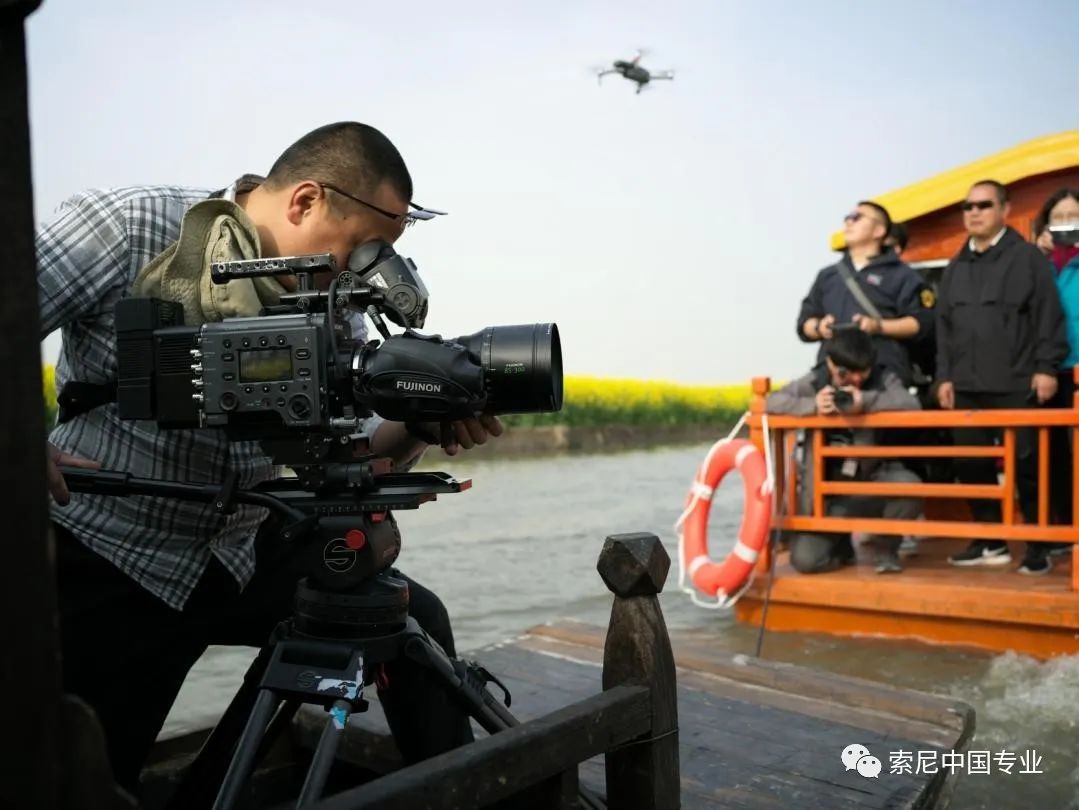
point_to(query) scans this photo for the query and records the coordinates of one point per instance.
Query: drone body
(634, 71)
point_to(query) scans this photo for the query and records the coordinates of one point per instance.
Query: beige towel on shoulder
(211, 231)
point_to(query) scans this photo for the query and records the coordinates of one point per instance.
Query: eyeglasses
(408, 218)
(981, 205)
(854, 216)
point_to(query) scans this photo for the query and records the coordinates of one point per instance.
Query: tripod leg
(200, 781)
(481, 704)
(324, 754)
(246, 749)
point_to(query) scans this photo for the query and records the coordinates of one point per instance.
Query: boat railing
(810, 515)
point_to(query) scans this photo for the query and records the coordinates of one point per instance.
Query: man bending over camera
(849, 382)
(147, 583)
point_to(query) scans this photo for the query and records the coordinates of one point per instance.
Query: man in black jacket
(893, 303)
(1000, 340)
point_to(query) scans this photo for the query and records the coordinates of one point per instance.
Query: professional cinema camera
(295, 379)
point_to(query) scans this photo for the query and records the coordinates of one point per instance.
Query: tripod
(350, 618)
(324, 655)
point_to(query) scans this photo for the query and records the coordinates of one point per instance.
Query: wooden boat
(622, 718)
(996, 610)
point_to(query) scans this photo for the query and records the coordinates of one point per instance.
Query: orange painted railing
(782, 434)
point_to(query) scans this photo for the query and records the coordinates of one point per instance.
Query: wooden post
(759, 388)
(30, 665)
(643, 775)
(1075, 483)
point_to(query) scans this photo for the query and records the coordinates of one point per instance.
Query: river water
(520, 549)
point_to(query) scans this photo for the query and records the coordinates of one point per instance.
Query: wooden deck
(752, 733)
(994, 609)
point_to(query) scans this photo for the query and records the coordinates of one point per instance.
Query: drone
(634, 71)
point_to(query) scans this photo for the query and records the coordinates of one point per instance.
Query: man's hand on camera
(826, 401)
(824, 327)
(56, 458)
(464, 433)
(855, 399)
(467, 433)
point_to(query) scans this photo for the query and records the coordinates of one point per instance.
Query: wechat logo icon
(857, 757)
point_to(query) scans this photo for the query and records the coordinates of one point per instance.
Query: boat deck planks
(753, 733)
(991, 608)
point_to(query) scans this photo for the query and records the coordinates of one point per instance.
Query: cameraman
(145, 583)
(848, 383)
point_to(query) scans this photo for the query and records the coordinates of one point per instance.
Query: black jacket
(999, 319)
(895, 289)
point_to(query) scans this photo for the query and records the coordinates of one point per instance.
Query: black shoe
(982, 552)
(1057, 549)
(1036, 563)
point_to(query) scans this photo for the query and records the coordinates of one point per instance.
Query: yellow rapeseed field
(48, 380)
(602, 401)
(605, 401)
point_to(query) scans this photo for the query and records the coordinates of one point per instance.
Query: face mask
(1062, 254)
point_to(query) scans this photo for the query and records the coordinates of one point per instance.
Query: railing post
(32, 772)
(1008, 500)
(1075, 482)
(759, 388)
(644, 774)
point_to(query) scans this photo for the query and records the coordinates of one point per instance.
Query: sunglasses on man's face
(854, 216)
(981, 205)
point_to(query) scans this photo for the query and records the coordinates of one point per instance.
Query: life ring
(726, 580)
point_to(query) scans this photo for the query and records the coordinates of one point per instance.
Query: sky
(671, 235)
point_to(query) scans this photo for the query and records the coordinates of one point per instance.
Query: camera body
(298, 369)
(844, 400)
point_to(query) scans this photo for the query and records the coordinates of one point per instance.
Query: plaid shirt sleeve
(82, 258)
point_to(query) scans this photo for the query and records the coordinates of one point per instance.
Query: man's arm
(811, 313)
(914, 301)
(796, 398)
(894, 396)
(81, 259)
(944, 331)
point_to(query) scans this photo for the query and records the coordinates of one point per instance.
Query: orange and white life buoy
(725, 580)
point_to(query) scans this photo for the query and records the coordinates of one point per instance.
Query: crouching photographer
(146, 583)
(848, 382)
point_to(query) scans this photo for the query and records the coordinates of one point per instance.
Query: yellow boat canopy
(1039, 156)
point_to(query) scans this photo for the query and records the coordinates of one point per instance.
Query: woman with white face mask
(1061, 248)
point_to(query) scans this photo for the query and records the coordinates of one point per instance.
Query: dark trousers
(984, 470)
(1060, 454)
(126, 653)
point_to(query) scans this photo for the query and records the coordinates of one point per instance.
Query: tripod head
(336, 514)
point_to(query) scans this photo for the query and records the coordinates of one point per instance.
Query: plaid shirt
(87, 261)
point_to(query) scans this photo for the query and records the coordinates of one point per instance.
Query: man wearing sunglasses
(849, 382)
(1001, 337)
(872, 289)
(145, 584)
